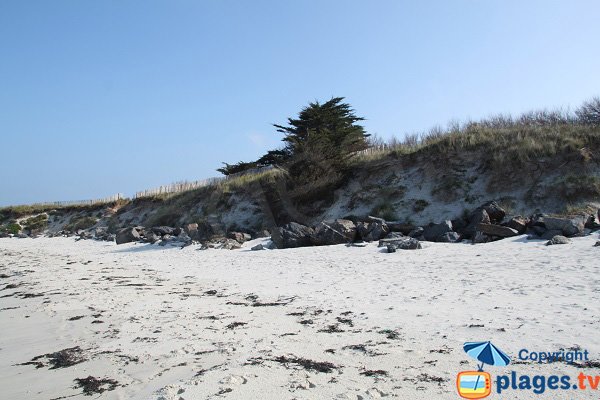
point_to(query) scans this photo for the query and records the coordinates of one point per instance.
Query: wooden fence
(106, 200)
(185, 186)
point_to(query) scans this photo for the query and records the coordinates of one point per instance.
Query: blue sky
(100, 97)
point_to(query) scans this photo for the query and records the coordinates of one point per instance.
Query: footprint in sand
(233, 380)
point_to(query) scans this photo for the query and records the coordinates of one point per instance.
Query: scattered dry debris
(92, 385)
(319, 366)
(234, 325)
(376, 372)
(60, 359)
(331, 329)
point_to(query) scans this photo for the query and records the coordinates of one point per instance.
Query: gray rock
(495, 212)
(415, 233)
(433, 232)
(449, 237)
(395, 235)
(371, 231)
(239, 237)
(151, 237)
(569, 226)
(591, 224)
(518, 223)
(547, 235)
(497, 230)
(597, 243)
(163, 230)
(292, 235)
(479, 216)
(558, 239)
(335, 232)
(257, 247)
(404, 243)
(230, 244)
(481, 237)
(391, 248)
(127, 235)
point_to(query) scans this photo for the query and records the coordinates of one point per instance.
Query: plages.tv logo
(478, 384)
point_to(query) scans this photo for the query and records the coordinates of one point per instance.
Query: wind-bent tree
(329, 131)
(323, 134)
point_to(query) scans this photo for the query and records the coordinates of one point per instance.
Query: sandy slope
(163, 322)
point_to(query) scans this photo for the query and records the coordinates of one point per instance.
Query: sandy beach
(152, 322)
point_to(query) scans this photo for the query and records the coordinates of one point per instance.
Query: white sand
(164, 337)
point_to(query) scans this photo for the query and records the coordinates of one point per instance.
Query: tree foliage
(326, 133)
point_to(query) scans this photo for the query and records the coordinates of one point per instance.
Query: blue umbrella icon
(487, 353)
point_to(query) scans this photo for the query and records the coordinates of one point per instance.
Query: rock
(371, 231)
(391, 248)
(403, 243)
(336, 232)
(239, 237)
(433, 232)
(558, 239)
(151, 237)
(494, 211)
(395, 235)
(479, 216)
(591, 224)
(127, 235)
(189, 228)
(481, 237)
(263, 233)
(100, 232)
(417, 232)
(497, 230)
(597, 243)
(292, 235)
(85, 235)
(257, 247)
(518, 223)
(449, 237)
(569, 226)
(403, 227)
(177, 231)
(230, 244)
(183, 237)
(538, 230)
(22, 235)
(163, 230)
(549, 234)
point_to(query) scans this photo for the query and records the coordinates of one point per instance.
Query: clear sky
(100, 97)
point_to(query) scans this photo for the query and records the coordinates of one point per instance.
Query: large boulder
(495, 212)
(479, 216)
(417, 232)
(569, 226)
(127, 235)
(335, 232)
(371, 231)
(518, 223)
(497, 230)
(434, 232)
(292, 235)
